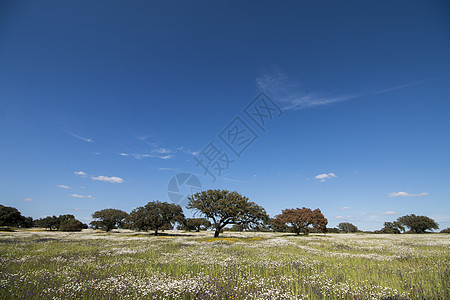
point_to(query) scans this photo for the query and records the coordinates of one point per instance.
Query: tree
(71, 225)
(196, 224)
(333, 230)
(10, 216)
(300, 220)
(28, 222)
(347, 227)
(48, 222)
(225, 207)
(393, 227)
(277, 226)
(109, 218)
(155, 216)
(418, 224)
(62, 222)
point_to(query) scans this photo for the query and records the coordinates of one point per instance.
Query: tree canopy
(108, 219)
(196, 224)
(224, 207)
(155, 216)
(418, 224)
(301, 219)
(347, 227)
(10, 216)
(62, 222)
(393, 227)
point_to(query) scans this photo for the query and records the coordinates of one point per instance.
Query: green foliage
(71, 225)
(108, 218)
(196, 224)
(418, 224)
(225, 207)
(62, 222)
(155, 216)
(393, 227)
(347, 227)
(333, 230)
(50, 222)
(10, 216)
(302, 220)
(446, 230)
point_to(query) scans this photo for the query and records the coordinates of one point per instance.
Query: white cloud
(80, 173)
(81, 138)
(166, 157)
(167, 169)
(82, 196)
(340, 217)
(390, 213)
(325, 176)
(112, 179)
(162, 150)
(345, 207)
(63, 186)
(404, 194)
(28, 200)
(290, 94)
(139, 156)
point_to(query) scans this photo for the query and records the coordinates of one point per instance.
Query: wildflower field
(182, 265)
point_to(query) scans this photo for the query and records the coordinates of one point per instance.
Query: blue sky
(102, 103)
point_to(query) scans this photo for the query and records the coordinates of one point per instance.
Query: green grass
(133, 265)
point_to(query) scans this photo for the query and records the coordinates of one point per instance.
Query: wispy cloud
(405, 194)
(63, 186)
(80, 137)
(340, 217)
(325, 176)
(167, 169)
(82, 196)
(399, 87)
(161, 153)
(112, 179)
(291, 96)
(390, 213)
(80, 173)
(345, 208)
(28, 200)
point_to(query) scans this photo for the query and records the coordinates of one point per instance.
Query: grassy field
(180, 265)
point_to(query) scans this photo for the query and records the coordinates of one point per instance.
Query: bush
(71, 225)
(446, 230)
(333, 230)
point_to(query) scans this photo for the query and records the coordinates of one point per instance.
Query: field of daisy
(185, 265)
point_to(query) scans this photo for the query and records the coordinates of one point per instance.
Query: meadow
(37, 264)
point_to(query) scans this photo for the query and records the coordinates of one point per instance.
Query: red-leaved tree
(301, 220)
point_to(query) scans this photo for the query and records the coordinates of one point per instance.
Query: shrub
(71, 225)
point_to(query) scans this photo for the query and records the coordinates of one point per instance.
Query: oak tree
(301, 220)
(108, 219)
(347, 227)
(223, 207)
(418, 224)
(155, 216)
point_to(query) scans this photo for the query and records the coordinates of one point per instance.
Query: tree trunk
(216, 233)
(156, 232)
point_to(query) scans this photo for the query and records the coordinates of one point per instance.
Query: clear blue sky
(103, 102)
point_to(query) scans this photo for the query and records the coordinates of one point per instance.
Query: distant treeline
(221, 210)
